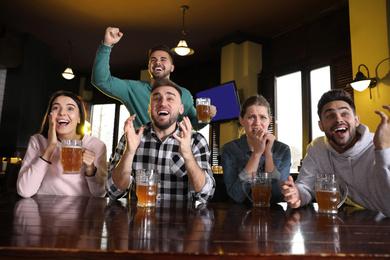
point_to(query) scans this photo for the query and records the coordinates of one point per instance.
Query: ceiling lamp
(361, 82)
(68, 73)
(182, 48)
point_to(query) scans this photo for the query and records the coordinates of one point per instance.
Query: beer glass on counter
(203, 110)
(147, 187)
(329, 196)
(71, 156)
(261, 189)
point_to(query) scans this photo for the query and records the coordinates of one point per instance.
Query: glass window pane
(319, 84)
(123, 115)
(288, 115)
(205, 131)
(103, 125)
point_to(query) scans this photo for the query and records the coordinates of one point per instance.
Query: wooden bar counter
(48, 227)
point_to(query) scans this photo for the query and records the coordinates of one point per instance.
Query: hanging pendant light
(68, 73)
(182, 48)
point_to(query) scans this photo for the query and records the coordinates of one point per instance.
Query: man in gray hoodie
(360, 158)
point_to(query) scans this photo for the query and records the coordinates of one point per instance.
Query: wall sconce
(68, 73)
(361, 82)
(385, 79)
(182, 48)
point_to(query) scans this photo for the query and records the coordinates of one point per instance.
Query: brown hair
(165, 82)
(334, 95)
(257, 100)
(161, 48)
(80, 103)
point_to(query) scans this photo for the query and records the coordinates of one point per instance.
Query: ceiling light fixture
(361, 82)
(68, 73)
(182, 48)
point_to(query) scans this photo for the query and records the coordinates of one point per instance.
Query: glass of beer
(146, 187)
(329, 196)
(203, 110)
(261, 189)
(71, 156)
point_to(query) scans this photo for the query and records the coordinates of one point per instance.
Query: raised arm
(37, 161)
(33, 169)
(122, 172)
(101, 74)
(112, 36)
(196, 155)
(196, 175)
(380, 175)
(382, 134)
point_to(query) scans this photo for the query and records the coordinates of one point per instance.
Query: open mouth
(340, 130)
(162, 113)
(63, 122)
(158, 69)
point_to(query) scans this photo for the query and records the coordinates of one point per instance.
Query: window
(319, 84)
(102, 125)
(290, 109)
(288, 116)
(123, 115)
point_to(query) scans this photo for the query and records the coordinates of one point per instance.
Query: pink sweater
(39, 177)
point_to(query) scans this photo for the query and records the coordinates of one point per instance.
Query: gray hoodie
(363, 169)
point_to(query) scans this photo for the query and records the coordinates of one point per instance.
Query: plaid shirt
(152, 153)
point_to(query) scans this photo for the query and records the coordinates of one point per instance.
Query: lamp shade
(361, 84)
(68, 74)
(182, 49)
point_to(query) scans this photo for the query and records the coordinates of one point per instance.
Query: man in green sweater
(135, 94)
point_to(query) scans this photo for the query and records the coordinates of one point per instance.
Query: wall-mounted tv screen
(225, 99)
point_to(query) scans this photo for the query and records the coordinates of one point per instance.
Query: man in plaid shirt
(181, 156)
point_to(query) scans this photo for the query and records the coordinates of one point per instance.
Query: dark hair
(80, 103)
(165, 82)
(161, 48)
(258, 100)
(334, 95)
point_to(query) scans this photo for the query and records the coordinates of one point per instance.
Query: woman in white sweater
(41, 171)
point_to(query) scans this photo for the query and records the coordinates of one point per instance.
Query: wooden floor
(55, 227)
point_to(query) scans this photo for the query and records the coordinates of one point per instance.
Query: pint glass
(203, 110)
(146, 187)
(71, 156)
(329, 196)
(261, 189)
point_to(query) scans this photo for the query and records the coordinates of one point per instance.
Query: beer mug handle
(344, 197)
(243, 187)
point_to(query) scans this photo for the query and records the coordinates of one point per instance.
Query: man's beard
(331, 138)
(172, 120)
(161, 76)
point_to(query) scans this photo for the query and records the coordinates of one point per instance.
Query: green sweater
(134, 94)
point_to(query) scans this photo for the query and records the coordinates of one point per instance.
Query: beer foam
(72, 146)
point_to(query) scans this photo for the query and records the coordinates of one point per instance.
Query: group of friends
(161, 134)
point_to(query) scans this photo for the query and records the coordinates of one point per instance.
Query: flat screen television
(225, 98)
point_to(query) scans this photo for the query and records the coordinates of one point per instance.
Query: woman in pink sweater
(41, 171)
